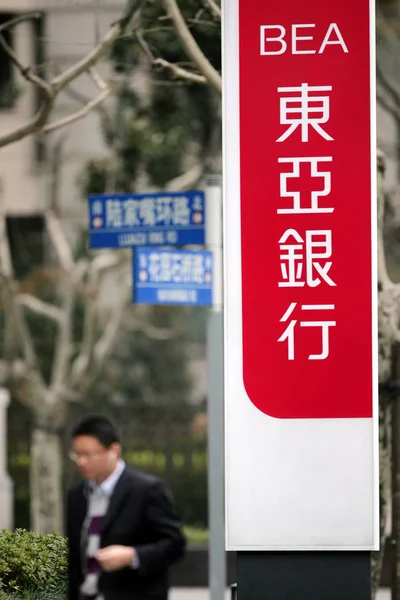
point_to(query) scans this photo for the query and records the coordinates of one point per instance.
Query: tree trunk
(46, 482)
(384, 487)
(387, 330)
(395, 538)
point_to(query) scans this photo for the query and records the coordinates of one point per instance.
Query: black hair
(99, 427)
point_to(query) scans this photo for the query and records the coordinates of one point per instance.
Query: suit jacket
(140, 515)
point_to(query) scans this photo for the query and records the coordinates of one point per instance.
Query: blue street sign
(172, 277)
(161, 219)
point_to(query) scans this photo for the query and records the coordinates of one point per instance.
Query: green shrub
(34, 566)
(58, 593)
(196, 535)
(31, 564)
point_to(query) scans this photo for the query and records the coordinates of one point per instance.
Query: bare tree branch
(83, 361)
(106, 342)
(105, 261)
(387, 85)
(97, 78)
(63, 248)
(23, 383)
(10, 344)
(187, 180)
(153, 333)
(79, 114)
(9, 291)
(102, 265)
(76, 96)
(31, 16)
(26, 72)
(190, 45)
(55, 161)
(384, 281)
(179, 72)
(5, 252)
(25, 340)
(40, 307)
(82, 99)
(63, 347)
(59, 240)
(214, 8)
(145, 46)
(34, 125)
(58, 83)
(93, 354)
(72, 273)
(385, 104)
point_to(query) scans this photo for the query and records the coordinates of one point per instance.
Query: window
(27, 243)
(8, 89)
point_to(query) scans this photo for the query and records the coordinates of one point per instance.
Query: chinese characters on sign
(305, 261)
(118, 221)
(173, 277)
(306, 211)
(300, 261)
(301, 370)
(289, 331)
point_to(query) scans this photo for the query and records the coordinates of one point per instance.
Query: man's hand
(113, 558)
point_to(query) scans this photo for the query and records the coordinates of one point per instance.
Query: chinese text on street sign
(173, 277)
(161, 219)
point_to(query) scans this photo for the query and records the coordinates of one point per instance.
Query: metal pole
(214, 235)
(217, 560)
(6, 483)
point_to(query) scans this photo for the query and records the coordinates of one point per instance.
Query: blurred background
(152, 131)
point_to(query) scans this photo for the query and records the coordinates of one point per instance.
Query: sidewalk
(196, 594)
(203, 594)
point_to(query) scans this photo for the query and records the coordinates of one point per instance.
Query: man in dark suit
(122, 528)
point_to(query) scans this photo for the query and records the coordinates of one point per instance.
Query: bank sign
(300, 264)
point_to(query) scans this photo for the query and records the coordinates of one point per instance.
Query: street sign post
(215, 395)
(183, 277)
(158, 219)
(300, 264)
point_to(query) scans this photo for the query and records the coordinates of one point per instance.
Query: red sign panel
(305, 153)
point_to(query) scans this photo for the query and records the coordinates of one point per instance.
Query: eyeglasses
(75, 456)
